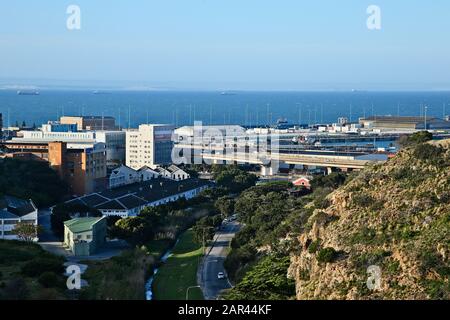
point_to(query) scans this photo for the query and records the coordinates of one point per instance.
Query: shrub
(326, 255)
(416, 138)
(49, 280)
(38, 266)
(314, 246)
(428, 153)
(15, 289)
(363, 200)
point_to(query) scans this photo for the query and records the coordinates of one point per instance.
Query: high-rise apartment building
(151, 145)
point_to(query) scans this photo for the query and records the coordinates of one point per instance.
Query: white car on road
(221, 275)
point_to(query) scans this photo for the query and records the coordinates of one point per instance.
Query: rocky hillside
(390, 222)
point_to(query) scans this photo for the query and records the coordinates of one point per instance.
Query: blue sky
(228, 44)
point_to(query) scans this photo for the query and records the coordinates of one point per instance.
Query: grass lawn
(158, 247)
(179, 272)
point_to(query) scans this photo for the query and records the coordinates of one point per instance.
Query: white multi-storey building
(151, 145)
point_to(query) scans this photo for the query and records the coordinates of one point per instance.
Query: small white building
(177, 174)
(123, 176)
(146, 174)
(14, 211)
(173, 172)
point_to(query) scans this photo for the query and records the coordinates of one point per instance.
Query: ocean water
(245, 108)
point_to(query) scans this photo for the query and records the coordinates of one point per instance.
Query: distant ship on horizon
(28, 93)
(100, 92)
(228, 93)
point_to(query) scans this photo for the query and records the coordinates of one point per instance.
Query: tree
(266, 280)
(27, 231)
(135, 230)
(225, 205)
(31, 180)
(204, 229)
(234, 179)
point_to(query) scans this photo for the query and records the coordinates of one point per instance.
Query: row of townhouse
(124, 175)
(130, 200)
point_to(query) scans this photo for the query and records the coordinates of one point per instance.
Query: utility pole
(350, 119)
(129, 116)
(210, 114)
(425, 111)
(299, 114)
(120, 118)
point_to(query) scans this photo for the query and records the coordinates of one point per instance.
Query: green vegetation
(31, 180)
(326, 255)
(428, 153)
(26, 231)
(415, 139)
(180, 271)
(205, 228)
(270, 215)
(233, 178)
(119, 278)
(29, 272)
(225, 205)
(266, 280)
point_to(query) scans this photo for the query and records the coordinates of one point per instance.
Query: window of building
(11, 221)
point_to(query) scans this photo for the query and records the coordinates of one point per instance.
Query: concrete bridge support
(268, 171)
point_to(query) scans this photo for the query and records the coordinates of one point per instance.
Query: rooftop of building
(91, 117)
(12, 207)
(79, 225)
(398, 119)
(138, 194)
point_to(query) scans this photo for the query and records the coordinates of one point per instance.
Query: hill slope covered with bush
(392, 218)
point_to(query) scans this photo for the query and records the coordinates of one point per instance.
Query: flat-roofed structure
(91, 122)
(85, 236)
(151, 145)
(83, 169)
(404, 123)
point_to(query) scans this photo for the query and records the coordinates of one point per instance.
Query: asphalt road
(44, 221)
(213, 262)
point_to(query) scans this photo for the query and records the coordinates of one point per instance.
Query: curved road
(213, 262)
